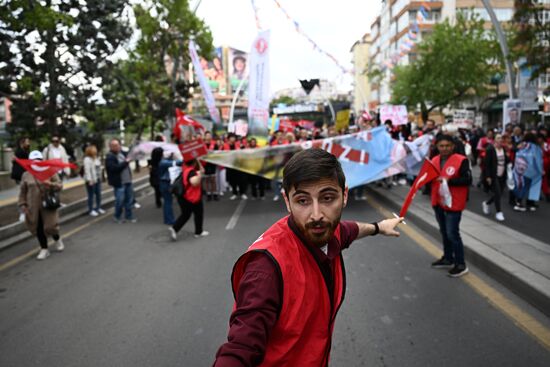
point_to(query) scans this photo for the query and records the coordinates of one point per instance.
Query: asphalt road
(125, 295)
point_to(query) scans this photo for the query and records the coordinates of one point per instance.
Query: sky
(334, 25)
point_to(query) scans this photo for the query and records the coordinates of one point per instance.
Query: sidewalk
(520, 262)
(73, 190)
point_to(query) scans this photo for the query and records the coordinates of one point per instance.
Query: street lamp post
(503, 48)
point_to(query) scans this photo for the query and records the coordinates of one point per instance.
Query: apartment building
(402, 23)
(361, 85)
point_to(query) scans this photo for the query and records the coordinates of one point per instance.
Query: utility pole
(503, 47)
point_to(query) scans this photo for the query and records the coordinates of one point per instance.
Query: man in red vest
(290, 283)
(448, 206)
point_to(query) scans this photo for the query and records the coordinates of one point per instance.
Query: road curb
(526, 283)
(17, 232)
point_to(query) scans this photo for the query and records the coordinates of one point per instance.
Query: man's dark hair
(442, 137)
(231, 135)
(159, 138)
(312, 165)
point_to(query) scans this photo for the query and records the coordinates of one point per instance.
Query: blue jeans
(124, 197)
(94, 190)
(453, 248)
(167, 211)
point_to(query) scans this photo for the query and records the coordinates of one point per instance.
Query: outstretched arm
(385, 227)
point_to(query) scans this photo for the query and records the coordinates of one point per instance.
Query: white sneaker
(402, 182)
(93, 213)
(499, 216)
(233, 197)
(22, 217)
(203, 234)
(43, 254)
(137, 205)
(244, 197)
(276, 198)
(101, 211)
(173, 233)
(59, 245)
(486, 208)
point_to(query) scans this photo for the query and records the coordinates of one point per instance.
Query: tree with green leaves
(54, 57)
(142, 91)
(453, 63)
(288, 100)
(532, 35)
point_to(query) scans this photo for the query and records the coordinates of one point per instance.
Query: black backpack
(177, 187)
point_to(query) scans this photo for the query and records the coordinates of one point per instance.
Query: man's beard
(319, 239)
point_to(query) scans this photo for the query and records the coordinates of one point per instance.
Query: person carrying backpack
(191, 200)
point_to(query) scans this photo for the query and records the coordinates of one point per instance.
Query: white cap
(35, 155)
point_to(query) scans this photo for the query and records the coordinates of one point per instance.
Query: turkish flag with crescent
(427, 173)
(185, 120)
(43, 170)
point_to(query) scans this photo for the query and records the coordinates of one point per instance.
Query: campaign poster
(511, 109)
(237, 68)
(214, 72)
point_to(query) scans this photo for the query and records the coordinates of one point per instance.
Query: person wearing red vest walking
(290, 284)
(191, 201)
(455, 172)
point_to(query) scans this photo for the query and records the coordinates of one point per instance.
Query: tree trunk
(424, 112)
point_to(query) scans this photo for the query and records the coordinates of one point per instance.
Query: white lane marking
(235, 217)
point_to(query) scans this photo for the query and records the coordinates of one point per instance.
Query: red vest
(226, 146)
(192, 193)
(451, 169)
(303, 333)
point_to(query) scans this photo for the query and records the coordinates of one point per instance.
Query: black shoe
(442, 263)
(458, 271)
(209, 198)
(216, 198)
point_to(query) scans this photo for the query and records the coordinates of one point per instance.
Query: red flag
(185, 120)
(427, 173)
(193, 150)
(43, 170)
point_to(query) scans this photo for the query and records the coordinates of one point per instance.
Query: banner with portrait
(511, 110)
(206, 91)
(237, 68)
(365, 156)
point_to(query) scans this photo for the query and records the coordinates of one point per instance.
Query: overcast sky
(333, 25)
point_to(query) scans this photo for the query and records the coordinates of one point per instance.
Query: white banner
(396, 113)
(206, 91)
(463, 119)
(258, 86)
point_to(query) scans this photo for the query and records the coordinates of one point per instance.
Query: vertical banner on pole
(258, 90)
(206, 91)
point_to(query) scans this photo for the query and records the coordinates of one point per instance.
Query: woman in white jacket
(92, 177)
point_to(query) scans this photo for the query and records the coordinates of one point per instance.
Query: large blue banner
(365, 156)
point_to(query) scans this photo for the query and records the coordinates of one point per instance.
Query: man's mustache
(318, 224)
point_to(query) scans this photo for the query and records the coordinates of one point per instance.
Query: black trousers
(237, 180)
(257, 183)
(497, 188)
(187, 209)
(158, 195)
(41, 235)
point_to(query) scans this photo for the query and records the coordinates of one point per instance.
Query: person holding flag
(449, 196)
(290, 283)
(41, 215)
